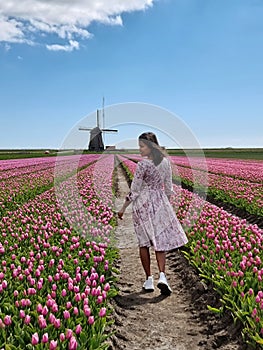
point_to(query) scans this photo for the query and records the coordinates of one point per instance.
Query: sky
(197, 61)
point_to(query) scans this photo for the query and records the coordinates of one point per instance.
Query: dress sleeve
(137, 182)
(168, 183)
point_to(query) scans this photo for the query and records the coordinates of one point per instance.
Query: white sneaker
(148, 285)
(163, 285)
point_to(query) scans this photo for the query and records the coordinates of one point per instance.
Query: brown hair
(150, 139)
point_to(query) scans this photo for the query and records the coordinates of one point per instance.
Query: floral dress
(155, 222)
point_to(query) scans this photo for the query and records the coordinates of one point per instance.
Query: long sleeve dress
(155, 222)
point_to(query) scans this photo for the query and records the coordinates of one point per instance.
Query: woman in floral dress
(155, 222)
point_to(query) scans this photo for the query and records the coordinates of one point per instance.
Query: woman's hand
(120, 214)
(122, 210)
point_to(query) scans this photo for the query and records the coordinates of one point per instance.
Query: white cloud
(21, 21)
(10, 30)
(73, 45)
(7, 47)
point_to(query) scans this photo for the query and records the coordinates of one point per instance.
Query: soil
(152, 321)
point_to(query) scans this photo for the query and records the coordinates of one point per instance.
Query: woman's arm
(135, 188)
(122, 210)
(168, 181)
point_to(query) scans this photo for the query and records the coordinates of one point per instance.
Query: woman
(154, 219)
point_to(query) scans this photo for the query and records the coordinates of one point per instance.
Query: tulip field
(225, 249)
(55, 281)
(57, 253)
(238, 182)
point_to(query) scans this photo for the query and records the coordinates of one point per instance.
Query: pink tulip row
(87, 190)
(55, 283)
(251, 170)
(13, 189)
(243, 192)
(131, 165)
(15, 164)
(24, 167)
(20, 167)
(102, 179)
(240, 192)
(228, 252)
(65, 163)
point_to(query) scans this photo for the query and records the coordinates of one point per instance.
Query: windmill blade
(84, 128)
(110, 130)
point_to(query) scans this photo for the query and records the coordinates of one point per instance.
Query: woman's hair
(150, 139)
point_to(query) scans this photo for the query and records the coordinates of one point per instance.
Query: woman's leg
(162, 283)
(160, 257)
(146, 261)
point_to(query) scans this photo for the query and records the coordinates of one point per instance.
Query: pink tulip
(76, 289)
(22, 314)
(66, 314)
(53, 345)
(77, 297)
(45, 338)
(54, 307)
(87, 311)
(27, 319)
(102, 312)
(78, 329)
(99, 299)
(91, 320)
(87, 290)
(39, 308)
(42, 322)
(69, 333)
(51, 318)
(35, 339)
(94, 283)
(254, 312)
(57, 323)
(73, 343)
(45, 310)
(107, 287)
(7, 320)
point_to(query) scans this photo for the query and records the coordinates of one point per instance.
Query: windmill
(96, 140)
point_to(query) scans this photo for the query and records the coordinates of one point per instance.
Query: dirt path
(151, 321)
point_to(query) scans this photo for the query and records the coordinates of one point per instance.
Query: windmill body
(96, 142)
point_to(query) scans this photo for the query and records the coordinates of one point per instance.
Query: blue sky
(200, 60)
